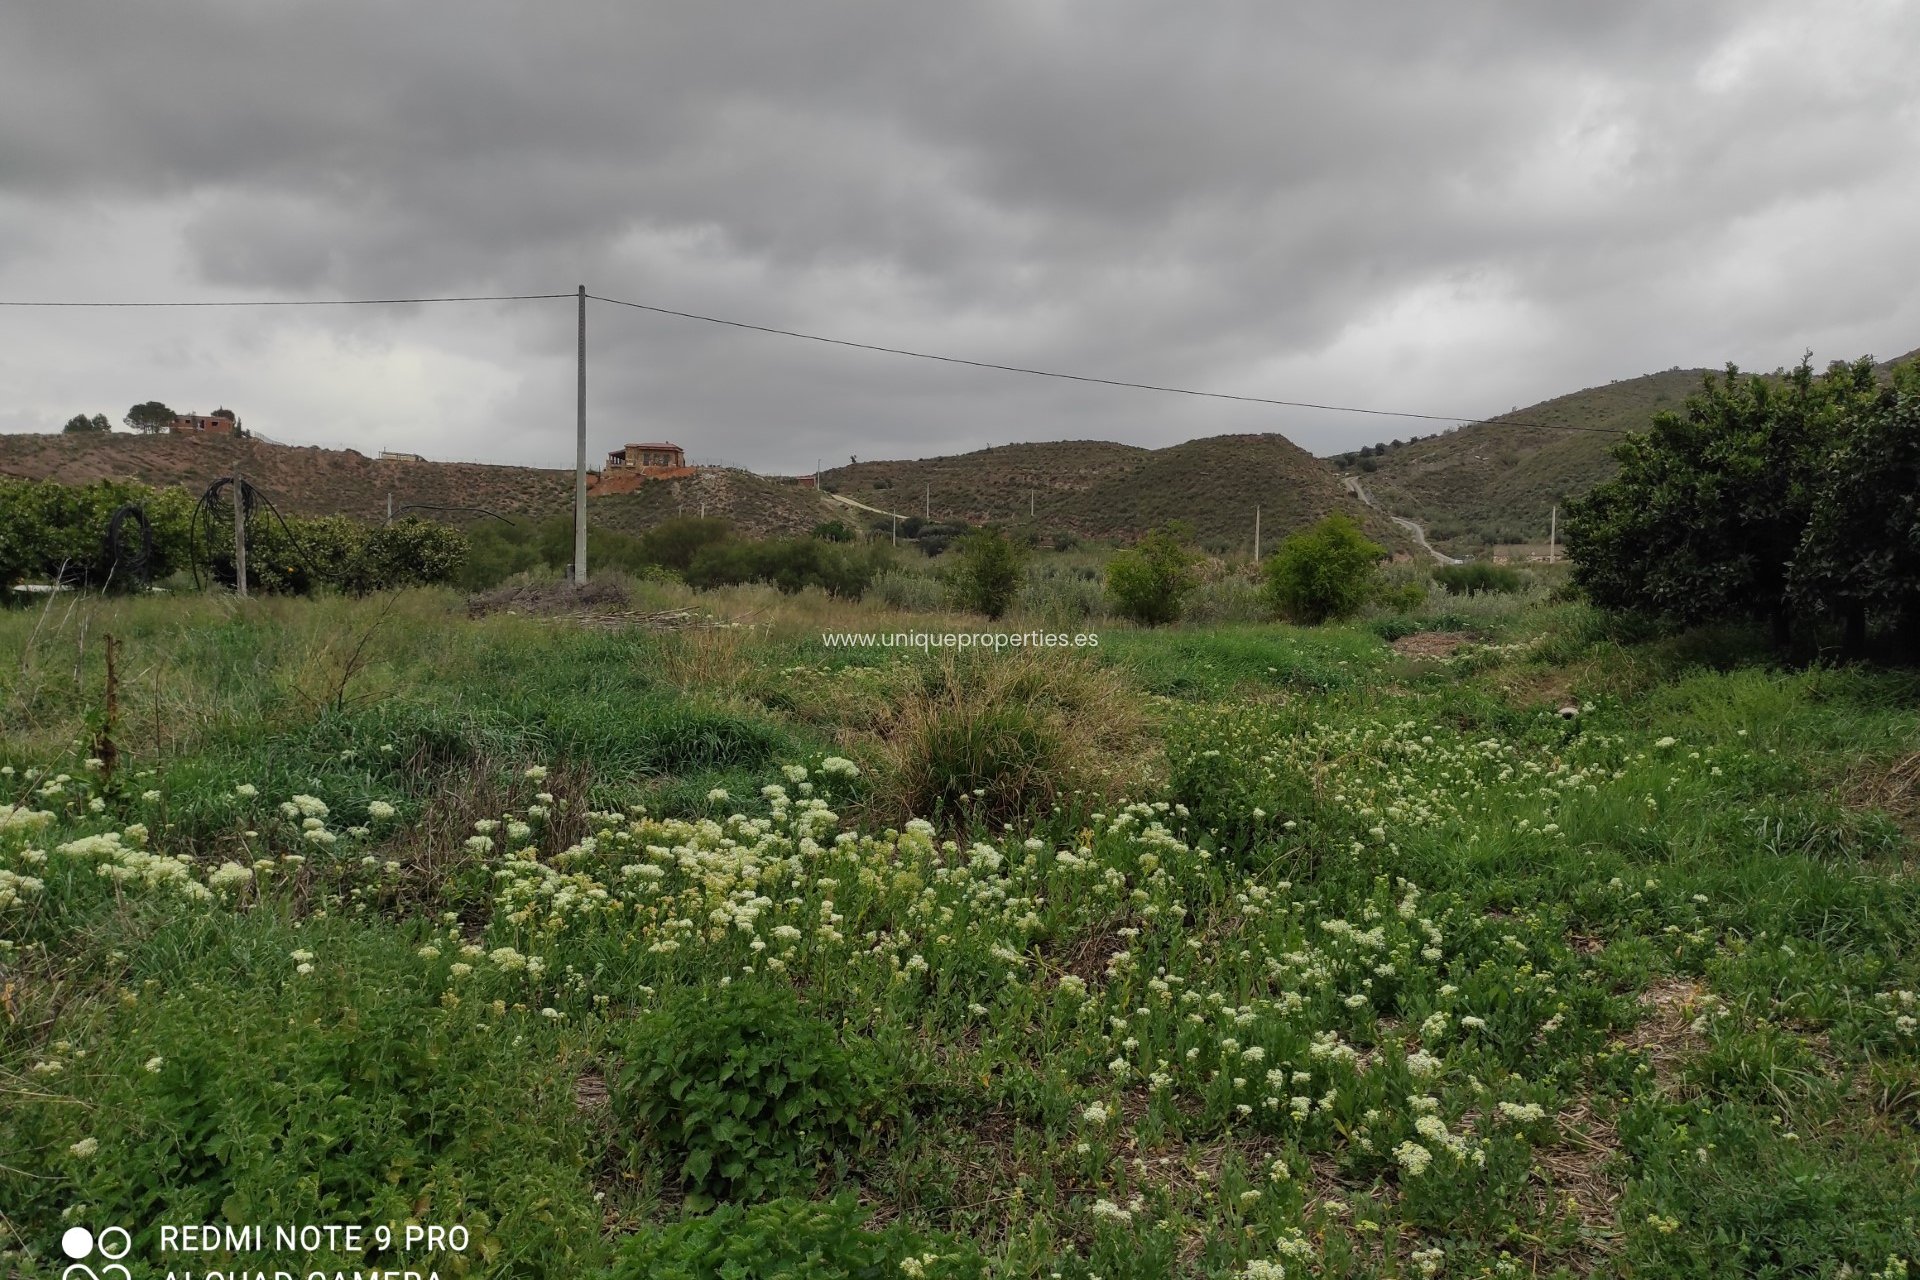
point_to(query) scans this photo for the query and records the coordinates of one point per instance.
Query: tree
(1859, 556)
(150, 417)
(988, 574)
(1150, 583)
(1710, 505)
(1324, 572)
(80, 423)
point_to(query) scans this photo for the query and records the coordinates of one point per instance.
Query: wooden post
(239, 534)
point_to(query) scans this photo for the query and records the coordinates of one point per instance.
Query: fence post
(239, 534)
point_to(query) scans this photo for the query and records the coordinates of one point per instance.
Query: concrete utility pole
(896, 528)
(239, 534)
(580, 458)
(1256, 533)
(389, 507)
(1553, 534)
(929, 513)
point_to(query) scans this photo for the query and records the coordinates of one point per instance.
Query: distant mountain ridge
(1100, 490)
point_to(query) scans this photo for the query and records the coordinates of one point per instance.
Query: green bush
(672, 544)
(1324, 572)
(1475, 579)
(791, 564)
(832, 531)
(746, 1093)
(998, 738)
(987, 577)
(56, 532)
(1150, 583)
(304, 553)
(790, 1239)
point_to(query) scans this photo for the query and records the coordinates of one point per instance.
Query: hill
(314, 481)
(1101, 490)
(1498, 480)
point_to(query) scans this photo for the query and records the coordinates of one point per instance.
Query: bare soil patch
(1667, 1034)
(1431, 644)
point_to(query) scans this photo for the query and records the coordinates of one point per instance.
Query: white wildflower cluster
(1903, 1009)
(16, 888)
(120, 856)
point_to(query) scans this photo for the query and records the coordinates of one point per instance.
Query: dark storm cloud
(1451, 207)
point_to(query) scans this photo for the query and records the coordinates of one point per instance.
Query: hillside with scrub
(308, 480)
(1066, 490)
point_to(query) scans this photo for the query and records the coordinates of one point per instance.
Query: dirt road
(1419, 534)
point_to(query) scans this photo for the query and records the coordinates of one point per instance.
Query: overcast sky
(1451, 208)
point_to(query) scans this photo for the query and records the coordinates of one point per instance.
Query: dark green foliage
(988, 574)
(1766, 500)
(1860, 554)
(831, 531)
(1324, 572)
(672, 544)
(52, 531)
(1150, 583)
(791, 564)
(744, 1093)
(81, 424)
(150, 417)
(789, 1239)
(1478, 578)
(934, 538)
(306, 553)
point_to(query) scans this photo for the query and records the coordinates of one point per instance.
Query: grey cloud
(1190, 194)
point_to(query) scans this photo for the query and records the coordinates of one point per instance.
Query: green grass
(1382, 968)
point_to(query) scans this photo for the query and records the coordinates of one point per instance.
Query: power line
(305, 302)
(858, 346)
(1105, 382)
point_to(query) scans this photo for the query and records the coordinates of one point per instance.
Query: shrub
(791, 564)
(832, 531)
(1473, 579)
(332, 551)
(1150, 583)
(988, 574)
(790, 1239)
(1019, 729)
(898, 589)
(744, 1091)
(1324, 572)
(1402, 587)
(672, 544)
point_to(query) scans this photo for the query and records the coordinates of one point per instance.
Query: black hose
(135, 560)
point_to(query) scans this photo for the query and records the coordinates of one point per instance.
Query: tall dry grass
(982, 737)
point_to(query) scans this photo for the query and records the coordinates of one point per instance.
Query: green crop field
(1230, 949)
